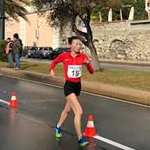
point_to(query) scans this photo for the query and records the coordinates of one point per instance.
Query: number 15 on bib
(74, 71)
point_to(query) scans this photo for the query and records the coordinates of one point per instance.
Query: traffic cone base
(13, 103)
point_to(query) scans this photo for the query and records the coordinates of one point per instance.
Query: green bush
(3, 56)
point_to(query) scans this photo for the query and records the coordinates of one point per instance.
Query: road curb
(32, 76)
(127, 94)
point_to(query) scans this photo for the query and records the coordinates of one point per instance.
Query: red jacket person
(72, 62)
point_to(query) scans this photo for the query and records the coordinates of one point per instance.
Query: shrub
(3, 56)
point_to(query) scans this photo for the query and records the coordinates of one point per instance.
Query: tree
(15, 8)
(62, 12)
(116, 6)
(139, 5)
(140, 13)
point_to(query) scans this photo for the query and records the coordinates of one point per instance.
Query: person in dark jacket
(17, 50)
(9, 52)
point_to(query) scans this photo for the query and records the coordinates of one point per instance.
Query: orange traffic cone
(90, 129)
(13, 101)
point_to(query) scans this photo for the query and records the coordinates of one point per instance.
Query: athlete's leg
(77, 109)
(64, 114)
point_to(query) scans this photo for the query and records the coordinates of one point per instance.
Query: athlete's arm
(52, 73)
(55, 61)
(88, 65)
(53, 64)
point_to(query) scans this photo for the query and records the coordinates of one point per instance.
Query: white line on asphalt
(113, 143)
(47, 84)
(42, 83)
(5, 102)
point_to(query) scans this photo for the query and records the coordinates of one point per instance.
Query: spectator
(9, 52)
(17, 48)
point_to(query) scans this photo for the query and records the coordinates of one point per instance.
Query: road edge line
(4, 102)
(113, 143)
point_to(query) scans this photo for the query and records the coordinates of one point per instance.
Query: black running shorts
(72, 87)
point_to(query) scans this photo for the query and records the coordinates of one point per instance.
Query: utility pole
(2, 20)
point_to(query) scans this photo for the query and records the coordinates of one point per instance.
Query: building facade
(35, 31)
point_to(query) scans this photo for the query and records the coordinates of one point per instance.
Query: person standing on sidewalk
(72, 62)
(9, 52)
(17, 50)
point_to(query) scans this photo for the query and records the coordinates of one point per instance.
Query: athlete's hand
(52, 74)
(86, 61)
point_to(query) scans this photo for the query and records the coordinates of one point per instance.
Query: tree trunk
(87, 39)
(95, 61)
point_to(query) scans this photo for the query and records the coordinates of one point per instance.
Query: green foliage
(140, 13)
(116, 5)
(63, 12)
(16, 8)
(95, 15)
(2, 50)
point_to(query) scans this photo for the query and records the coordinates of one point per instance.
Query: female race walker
(72, 62)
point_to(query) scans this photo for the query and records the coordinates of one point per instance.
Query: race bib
(74, 71)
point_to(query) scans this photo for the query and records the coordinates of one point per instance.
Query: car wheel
(55, 56)
(31, 56)
(41, 57)
(50, 57)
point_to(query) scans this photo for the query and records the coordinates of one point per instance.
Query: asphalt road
(30, 127)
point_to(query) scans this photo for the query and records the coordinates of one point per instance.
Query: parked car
(24, 52)
(47, 51)
(28, 51)
(37, 52)
(42, 52)
(58, 51)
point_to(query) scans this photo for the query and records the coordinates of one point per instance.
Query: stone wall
(123, 40)
(118, 40)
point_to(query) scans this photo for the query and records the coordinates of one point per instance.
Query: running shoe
(58, 132)
(82, 142)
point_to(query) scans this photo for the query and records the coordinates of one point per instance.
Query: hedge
(3, 56)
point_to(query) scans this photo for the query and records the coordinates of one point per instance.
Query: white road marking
(38, 82)
(4, 102)
(113, 143)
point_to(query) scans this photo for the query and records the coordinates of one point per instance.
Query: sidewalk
(124, 93)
